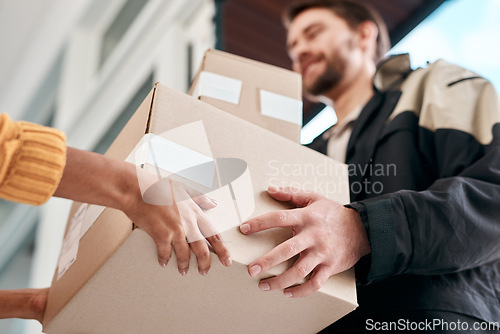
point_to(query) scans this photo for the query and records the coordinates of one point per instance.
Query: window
(190, 65)
(119, 27)
(125, 115)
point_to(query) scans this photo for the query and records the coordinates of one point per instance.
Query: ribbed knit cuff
(33, 163)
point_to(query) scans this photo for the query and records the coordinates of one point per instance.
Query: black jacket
(424, 169)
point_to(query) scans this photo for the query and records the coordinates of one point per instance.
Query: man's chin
(317, 95)
(311, 89)
(318, 89)
(311, 97)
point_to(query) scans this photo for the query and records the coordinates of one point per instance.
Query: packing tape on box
(166, 167)
(281, 107)
(173, 158)
(229, 89)
(218, 87)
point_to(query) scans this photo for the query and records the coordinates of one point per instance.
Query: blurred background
(84, 66)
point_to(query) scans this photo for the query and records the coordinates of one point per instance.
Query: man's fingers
(282, 218)
(294, 275)
(200, 249)
(278, 254)
(317, 280)
(300, 198)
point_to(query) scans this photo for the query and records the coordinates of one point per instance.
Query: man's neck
(347, 97)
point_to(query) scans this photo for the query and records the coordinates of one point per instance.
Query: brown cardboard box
(115, 284)
(266, 95)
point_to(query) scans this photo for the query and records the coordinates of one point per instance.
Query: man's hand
(329, 237)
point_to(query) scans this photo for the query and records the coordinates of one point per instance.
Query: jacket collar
(391, 72)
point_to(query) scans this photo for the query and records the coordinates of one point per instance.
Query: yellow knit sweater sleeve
(32, 160)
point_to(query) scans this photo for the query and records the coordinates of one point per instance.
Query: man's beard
(334, 73)
(328, 79)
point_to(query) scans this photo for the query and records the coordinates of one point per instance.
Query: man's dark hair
(353, 12)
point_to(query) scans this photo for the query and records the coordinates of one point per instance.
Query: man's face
(321, 46)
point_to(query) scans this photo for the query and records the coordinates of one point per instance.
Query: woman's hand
(149, 202)
(171, 213)
(176, 219)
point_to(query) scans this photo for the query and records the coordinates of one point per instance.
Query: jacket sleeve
(32, 160)
(453, 225)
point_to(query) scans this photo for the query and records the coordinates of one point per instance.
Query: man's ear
(367, 36)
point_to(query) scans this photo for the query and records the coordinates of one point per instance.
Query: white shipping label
(281, 107)
(81, 222)
(71, 241)
(218, 87)
(93, 212)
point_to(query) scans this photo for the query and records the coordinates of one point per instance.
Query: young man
(35, 164)
(423, 148)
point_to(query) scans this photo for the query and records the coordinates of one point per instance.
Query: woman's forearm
(93, 178)
(23, 303)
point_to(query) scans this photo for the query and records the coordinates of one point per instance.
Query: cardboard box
(266, 95)
(115, 285)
